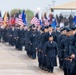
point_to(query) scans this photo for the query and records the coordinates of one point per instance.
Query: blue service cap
(73, 28)
(50, 35)
(46, 27)
(68, 29)
(42, 28)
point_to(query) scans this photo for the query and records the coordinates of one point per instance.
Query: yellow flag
(5, 19)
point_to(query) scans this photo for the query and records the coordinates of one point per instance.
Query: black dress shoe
(42, 68)
(39, 66)
(61, 67)
(46, 69)
(34, 58)
(50, 71)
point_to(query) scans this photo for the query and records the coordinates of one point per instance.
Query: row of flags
(19, 19)
(37, 21)
(44, 20)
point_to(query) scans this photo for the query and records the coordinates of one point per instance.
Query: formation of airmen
(47, 43)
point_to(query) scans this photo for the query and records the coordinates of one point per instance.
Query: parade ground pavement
(14, 62)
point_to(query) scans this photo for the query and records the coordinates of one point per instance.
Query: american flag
(16, 20)
(35, 20)
(1, 20)
(10, 21)
(46, 22)
(45, 19)
(19, 20)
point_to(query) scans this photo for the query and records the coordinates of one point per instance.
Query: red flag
(13, 21)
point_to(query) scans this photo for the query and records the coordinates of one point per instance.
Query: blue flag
(54, 24)
(74, 20)
(24, 17)
(41, 23)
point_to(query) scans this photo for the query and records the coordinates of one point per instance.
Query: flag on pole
(54, 23)
(41, 21)
(12, 20)
(1, 19)
(74, 20)
(5, 20)
(24, 18)
(50, 18)
(35, 20)
(16, 18)
(46, 22)
(21, 19)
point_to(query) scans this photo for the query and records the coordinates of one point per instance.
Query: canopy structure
(66, 6)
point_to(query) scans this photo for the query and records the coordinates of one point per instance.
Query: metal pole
(53, 2)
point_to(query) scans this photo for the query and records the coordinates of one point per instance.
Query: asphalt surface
(14, 62)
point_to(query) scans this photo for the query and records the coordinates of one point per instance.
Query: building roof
(67, 6)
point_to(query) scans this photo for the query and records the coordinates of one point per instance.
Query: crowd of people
(65, 21)
(47, 43)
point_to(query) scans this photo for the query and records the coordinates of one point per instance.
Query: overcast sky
(7, 5)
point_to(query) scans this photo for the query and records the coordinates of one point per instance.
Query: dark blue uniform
(13, 36)
(46, 39)
(33, 43)
(68, 65)
(73, 48)
(51, 52)
(16, 38)
(20, 39)
(27, 42)
(41, 50)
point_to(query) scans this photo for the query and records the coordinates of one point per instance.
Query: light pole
(53, 2)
